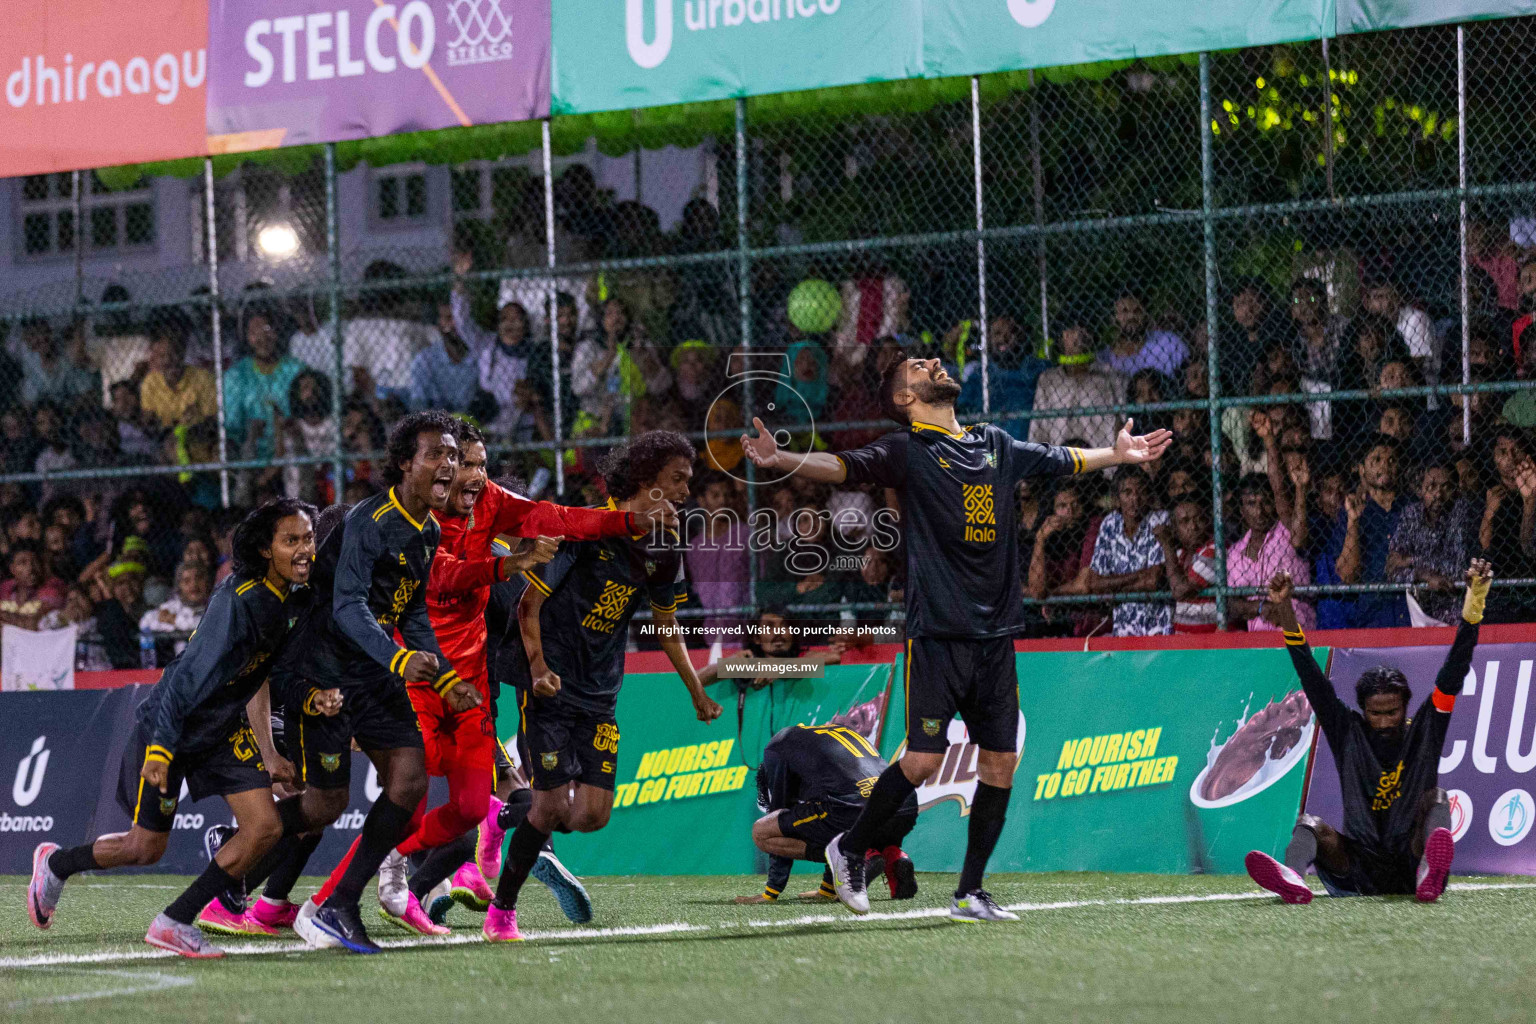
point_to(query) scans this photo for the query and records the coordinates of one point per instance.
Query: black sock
(383, 830)
(890, 792)
(1438, 816)
(514, 810)
(204, 888)
(1302, 850)
(291, 813)
(74, 860)
(284, 872)
(522, 854)
(988, 812)
(441, 862)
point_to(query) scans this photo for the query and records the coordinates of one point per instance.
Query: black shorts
(974, 677)
(1388, 869)
(818, 822)
(569, 744)
(234, 766)
(375, 711)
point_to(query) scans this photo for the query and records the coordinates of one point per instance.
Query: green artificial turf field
(1090, 947)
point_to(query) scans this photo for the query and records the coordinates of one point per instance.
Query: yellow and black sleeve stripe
(1079, 464)
(398, 661)
(1295, 639)
(537, 583)
(445, 682)
(155, 752)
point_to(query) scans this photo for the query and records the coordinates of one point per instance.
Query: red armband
(1442, 701)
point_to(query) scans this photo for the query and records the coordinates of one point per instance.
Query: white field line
(680, 927)
(145, 981)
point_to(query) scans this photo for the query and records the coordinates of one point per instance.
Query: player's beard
(936, 392)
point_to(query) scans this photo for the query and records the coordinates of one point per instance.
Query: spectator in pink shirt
(1264, 550)
(27, 596)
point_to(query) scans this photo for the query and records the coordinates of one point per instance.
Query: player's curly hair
(467, 433)
(640, 460)
(892, 381)
(1379, 680)
(254, 532)
(403, 435)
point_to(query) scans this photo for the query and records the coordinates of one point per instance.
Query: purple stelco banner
(1487, 763)
(290, 72)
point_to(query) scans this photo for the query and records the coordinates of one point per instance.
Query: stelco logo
(707, 14)
(330, 45)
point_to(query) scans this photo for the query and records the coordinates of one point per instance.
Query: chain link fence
(1308, 261)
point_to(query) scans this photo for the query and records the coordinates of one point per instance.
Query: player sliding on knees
(1397, 823)
(190, 729)
(574, 620)
(963, 604)
(812, 785)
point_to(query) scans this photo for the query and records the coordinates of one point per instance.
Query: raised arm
(765, 454)
(1453, 673)
(1279, 610)
(1129, 449)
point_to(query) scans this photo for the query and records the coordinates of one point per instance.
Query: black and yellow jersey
(592, 589)
(203, 692)
(370, 579)
(959, 520)
(830, 763)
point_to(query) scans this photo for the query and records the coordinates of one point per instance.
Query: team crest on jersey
(991, 460)
(650, 566)
(330, 762)
(550, 761)
(931, 726)
(167, 804)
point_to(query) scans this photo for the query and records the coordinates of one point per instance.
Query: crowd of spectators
(1396, 492)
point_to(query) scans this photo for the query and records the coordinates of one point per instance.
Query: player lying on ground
(370, 580)
(963, 606)
(190, 729)
(574, 619)
(1397, 824)
(461, 745)
(812, 784)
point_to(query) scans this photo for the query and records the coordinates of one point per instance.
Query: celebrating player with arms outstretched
(1397, 823)
(190, 729)
(574, 618)
(963, 603)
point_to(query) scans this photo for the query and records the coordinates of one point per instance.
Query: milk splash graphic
(1262, 750)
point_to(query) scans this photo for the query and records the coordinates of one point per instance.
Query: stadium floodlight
(277, 241)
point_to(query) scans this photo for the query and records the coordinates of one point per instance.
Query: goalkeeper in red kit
(461, 746)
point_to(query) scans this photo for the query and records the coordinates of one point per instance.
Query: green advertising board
(1376, 15)
(645, 53)
(1154, 761)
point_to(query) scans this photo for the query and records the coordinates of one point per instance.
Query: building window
(115, 221)
(400, 196)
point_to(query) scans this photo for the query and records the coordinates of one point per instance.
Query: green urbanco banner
(686, 793)
(1375, 15)
(973, 37)
(645, 53)
(1155, 761)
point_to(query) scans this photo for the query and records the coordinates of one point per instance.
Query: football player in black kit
(1397, 823)
(574, 620)
(963, 604)
(812, 785)
(191, 728)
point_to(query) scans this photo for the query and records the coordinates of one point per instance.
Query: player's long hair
(1379, 680)
(640, 460)
(329, 519)
(254, 532)
(402, 439)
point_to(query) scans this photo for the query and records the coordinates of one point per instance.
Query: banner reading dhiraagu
(1489, 755)
(290, 72)
(94, 83)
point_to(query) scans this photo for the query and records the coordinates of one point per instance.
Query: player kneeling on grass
(190, 729)
(574, 620)
(813, 782)
(1397, 834)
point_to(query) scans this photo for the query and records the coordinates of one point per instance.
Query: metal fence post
(1213, 364)
(1039, 176)
(554, 305)
(981, 242)
(1461, 181)
(333, 253)
(216, 321)
(744, 296)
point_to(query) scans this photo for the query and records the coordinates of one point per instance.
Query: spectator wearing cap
(693, 373)
(256, 388)
(1077, 383)
(1137, 345)
(30, 593)
(183, 610)
(119, 607)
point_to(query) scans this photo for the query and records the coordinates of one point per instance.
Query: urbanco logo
(699, 15)
(1031, 13)
(29, 773)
